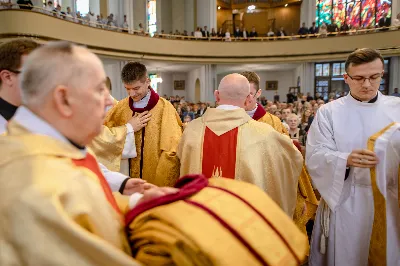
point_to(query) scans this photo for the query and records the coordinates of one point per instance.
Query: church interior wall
(166, 16)
(178, 15)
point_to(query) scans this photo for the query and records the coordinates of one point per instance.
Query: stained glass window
(355, 13)
(152, 16)
(324, 8)
(318, 70)
(339, 11)
(368, 13)
(383, 6)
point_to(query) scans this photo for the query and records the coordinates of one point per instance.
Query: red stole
(152, 102)
(219, 153)
(260, 112)
(90, 163)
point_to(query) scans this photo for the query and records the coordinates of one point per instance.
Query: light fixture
(252, 7)
(219, 7)
(286, 5)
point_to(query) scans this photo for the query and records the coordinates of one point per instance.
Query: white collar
(37, 125)
(252, 112)
(3, 125)
(228, 107)
(143, 102)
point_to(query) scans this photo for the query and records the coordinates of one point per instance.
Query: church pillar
(190, 19)
(127, 9)
(394, 79)
(307, 12)
(166, 17)
(96, 6)
(178, 15)
(207, 13)
(210, 83)
(140, 13)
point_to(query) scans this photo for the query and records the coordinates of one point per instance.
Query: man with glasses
(339, 163)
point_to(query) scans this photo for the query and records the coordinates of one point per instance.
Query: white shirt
(143, 102)
(227, 107)
(3, 125)
(36, 125)
(252, 112)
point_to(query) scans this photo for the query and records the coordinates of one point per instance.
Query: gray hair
(52, 65)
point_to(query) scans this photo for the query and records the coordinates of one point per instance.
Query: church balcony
(112, 43)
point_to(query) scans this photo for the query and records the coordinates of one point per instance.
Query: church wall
(192, 76)
(189, 16)
(139, 13)
(394, 79)
(166, 16)
(222, 16)
(94, 6)
(285, 80)
(287, 17)
(178, 15)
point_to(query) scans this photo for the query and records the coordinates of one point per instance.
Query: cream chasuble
(385, 237)
(343, 225)
(53, 209)
(228, 143)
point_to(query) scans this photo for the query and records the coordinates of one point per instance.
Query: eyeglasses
(374, 79)
(254, 95)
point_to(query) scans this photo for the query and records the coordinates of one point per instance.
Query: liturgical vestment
(385, 237)
(55, 206)
(226, 142)
(306, 200)
(156, 144)
(343, 225)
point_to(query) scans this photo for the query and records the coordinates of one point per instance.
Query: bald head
(233, 90)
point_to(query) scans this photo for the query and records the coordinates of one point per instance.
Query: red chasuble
(219, 153)
(90, 163)
(260, 112)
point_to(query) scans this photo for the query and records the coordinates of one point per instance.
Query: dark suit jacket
(385, 22)
(237, 34)
(312, 30)
(205, 33)
(253, 34)
(279, 34)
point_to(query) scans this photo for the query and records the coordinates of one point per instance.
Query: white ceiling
(173, 67)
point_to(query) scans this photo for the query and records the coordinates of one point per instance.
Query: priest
(339, 163)
(57, 189)
(156, 143)
(226, 142)
(306, 200)
(13, 54)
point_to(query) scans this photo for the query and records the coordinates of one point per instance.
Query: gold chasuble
(214, 222)
(156, 144)
(228, 143)
(108, 146)
(56, 208)
(307, 202)
(385, 180)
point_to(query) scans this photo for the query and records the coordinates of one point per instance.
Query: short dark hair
(252, 77)
(363, 56)
(132, 72)
(11, 53)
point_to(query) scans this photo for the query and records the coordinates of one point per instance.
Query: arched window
(82, 6)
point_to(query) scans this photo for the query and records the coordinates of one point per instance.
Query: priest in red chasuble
(307, 202)
(156, 143)
(227, 142)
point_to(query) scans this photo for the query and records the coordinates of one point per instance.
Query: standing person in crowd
(25, 4)
(339, 163)
(257, 153)
(156, 143)
(385, 21)
(396, 92)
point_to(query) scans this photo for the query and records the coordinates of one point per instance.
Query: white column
(189, 16)
(395, 9)
(210, 75)
(94, 6)
(159, 15)
(128, 11)
(207, 13)
(307, 12)
(140, 13)
(178, 15)
(394, 79)
(166, 16)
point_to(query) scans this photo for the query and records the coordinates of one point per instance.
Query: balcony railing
(226, 38)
